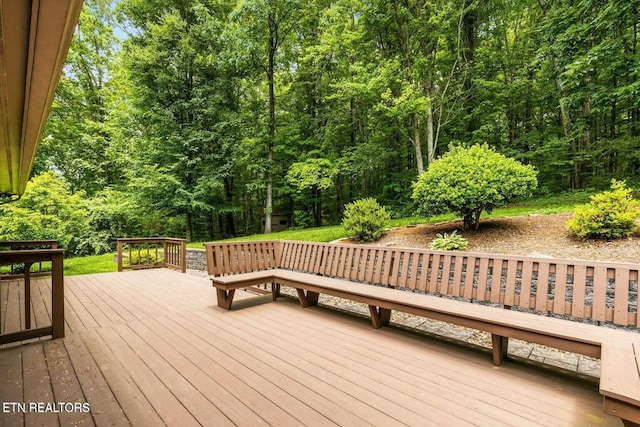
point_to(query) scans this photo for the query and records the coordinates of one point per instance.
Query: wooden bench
(515, 297)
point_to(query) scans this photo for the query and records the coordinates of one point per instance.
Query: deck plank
(133, 402)
(394, 400)
(37, 384)
(152, 348)
(455, 368)
(64, 383)
(222, 389)
(401, 360)
(308, 397)
(167, 406)
(104, 405)
(11, 385)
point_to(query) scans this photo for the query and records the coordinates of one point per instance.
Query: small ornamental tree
(610, 215)
(365, 220)
(467, 181)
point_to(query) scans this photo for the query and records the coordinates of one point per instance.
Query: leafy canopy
(467, 181)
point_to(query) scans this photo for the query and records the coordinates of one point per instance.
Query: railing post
(183, 256)
(27, 295)
(57, 295)
(165, 253)
(119, 255)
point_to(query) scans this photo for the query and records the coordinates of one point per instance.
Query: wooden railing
(593, 290)
(152, 252)
(11, 291)
(16, 271)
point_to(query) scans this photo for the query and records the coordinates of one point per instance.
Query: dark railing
(16, 271)
(152, 252)
(29, 258)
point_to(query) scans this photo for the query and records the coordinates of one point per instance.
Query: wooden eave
(34, 40)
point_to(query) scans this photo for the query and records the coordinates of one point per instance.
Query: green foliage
(112, 214)
(47, 210)
(449, 242)
(144, 258)
(301, 220)
(365, 219)
(467, 181)
(176, 115)
(312, 173)
(610, 215)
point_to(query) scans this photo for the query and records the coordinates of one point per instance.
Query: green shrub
(365, 220)
(610, 215)
(467, 181)
(145, 258)
(449, 242)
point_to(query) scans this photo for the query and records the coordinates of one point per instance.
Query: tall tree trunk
(189, 221)
(268, 211)
(564, 114)
(228, 190)
(417, 142)
(317, 208)
(431, 141)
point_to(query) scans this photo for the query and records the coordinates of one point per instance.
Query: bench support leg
(225, 298)
(379, 316)
(275, 291)
(308, 299)
(500, 345)
(629, 414)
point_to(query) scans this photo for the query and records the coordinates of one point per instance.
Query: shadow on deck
(151, 348)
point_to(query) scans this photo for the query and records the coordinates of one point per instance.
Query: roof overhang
(34, 40)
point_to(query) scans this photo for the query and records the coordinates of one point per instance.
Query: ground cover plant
(449, 242)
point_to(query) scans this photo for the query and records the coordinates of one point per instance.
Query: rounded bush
(467, 181)
(365, 220)
(609, 215)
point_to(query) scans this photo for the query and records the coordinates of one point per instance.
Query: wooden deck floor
(151, 348)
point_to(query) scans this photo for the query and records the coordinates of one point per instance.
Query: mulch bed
(536, 235)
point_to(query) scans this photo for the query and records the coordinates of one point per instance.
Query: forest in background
(192, 118)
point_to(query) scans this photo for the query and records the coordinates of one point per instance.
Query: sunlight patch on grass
(90, 264)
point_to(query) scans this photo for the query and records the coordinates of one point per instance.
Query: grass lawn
(545, 205)
(90, 264)
(565, 202)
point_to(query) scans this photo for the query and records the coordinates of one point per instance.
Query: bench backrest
(241, 257)
(599, 291)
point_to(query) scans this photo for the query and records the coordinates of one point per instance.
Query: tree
(311, 178)
(182, 97)
(48, 210)
(467, 181)
(265, 26)
(77, 136)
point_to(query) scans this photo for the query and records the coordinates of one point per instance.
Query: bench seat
(570, 336)
(620, 379)
(500, 294)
